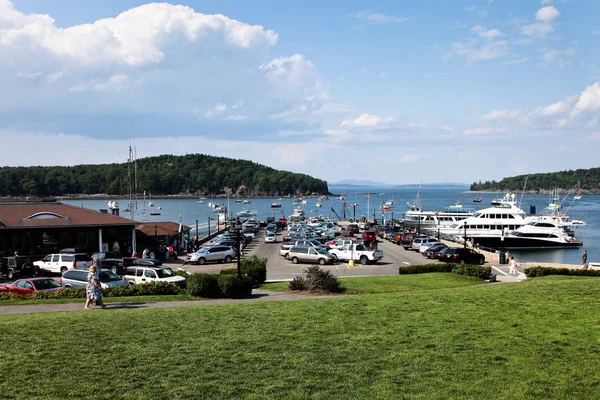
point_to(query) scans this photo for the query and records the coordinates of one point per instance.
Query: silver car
(311, 255)
(213, 253)
(74, 278)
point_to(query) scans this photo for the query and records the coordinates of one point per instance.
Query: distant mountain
(361, 183)
(432, 185)
(369, 183)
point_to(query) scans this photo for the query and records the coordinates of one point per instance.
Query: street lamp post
(209, 218)
(236, 226)
(465, 240)
(156, 236)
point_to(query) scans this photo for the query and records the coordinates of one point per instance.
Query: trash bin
(502, 257)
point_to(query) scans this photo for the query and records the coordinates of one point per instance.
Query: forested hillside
(589, 180)
(162, 175)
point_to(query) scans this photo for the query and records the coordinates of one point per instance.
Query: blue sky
(392, 91)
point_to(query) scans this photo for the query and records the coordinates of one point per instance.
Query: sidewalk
(257, 295)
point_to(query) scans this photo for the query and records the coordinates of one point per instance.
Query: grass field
(394, 283)
(537, 339)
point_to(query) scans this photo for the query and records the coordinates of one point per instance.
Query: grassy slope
(394, 283)
(538, 339)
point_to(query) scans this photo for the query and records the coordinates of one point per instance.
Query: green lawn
(537, 339)
(394, 283)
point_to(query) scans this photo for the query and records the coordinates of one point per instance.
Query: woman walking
(93, 289)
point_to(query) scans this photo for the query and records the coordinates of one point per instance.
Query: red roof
(55, 215)
(162, 228)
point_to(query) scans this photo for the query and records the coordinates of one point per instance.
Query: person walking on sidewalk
(513, 271)
(584, 259)
(93, 289)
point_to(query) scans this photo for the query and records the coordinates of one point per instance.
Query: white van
(418, 242)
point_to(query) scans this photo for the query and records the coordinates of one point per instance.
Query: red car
(369, 236)
(353, 228)
(33, 285)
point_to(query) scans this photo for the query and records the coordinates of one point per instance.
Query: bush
(253, 267)
(543, 271)
(297, 283)
(317, 280)
(478, 271)
(145, 289)
(203, 285)
(425, 268)
(233, 287)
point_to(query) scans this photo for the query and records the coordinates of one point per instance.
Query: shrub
(297, 283)
(317, 280)
(425, 268)
(181, 272)
(477, 271)
(233, 287)
(543, 271)
(255, 268)
(144, 289)
(203, 285)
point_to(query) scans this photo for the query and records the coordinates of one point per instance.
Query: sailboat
(578, 195)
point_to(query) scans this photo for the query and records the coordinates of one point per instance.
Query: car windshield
(165, 272)
(46, 284)
(322, 251)
(202, 250)
(109, 276)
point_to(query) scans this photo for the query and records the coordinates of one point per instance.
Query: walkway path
(257, 295)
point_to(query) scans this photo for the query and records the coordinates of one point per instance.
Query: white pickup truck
(60, 263)
(357, 252)
(144, 274)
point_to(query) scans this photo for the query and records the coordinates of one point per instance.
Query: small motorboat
(477, 200)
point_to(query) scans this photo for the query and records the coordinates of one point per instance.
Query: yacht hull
(523, 243)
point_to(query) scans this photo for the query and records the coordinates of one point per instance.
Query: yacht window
(510, 216)
(477, 215)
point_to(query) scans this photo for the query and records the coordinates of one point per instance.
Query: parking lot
(278, 268)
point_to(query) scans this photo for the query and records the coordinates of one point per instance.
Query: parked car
(310, 255)
(78, 277)
(270, 237)
(14, 267)
(214, 253)
(353, 228)
(425, 246)
(369, 236)
(419, 241)
(59, 263)
(33, 285)
(141, 274)
(431, 251)
(463, 256)
(408, 240)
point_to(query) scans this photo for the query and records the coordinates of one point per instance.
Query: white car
(270, 237)
(425, 246)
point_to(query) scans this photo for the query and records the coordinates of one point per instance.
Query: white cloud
(113, 83)
(589, 100)
(486, 33)
(546, 17)
(371, 18)
(544, 2)
(515, 61)
(476, 50)
(368, 121)
(135, 37)
(546, 14)
(499, 114)
(382, 74)
(484, 130)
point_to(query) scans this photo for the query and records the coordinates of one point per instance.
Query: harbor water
(188, 211)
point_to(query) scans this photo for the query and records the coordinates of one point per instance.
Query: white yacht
(113, 205)
(488, 227)
(415, 216)
(539, 235)
(247, 213)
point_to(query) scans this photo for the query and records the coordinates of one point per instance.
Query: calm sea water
(587, 209)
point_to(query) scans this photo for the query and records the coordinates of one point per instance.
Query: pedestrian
(146, 253)
(584, 259)
(93, 289)
(513, 267)
(116, 248)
